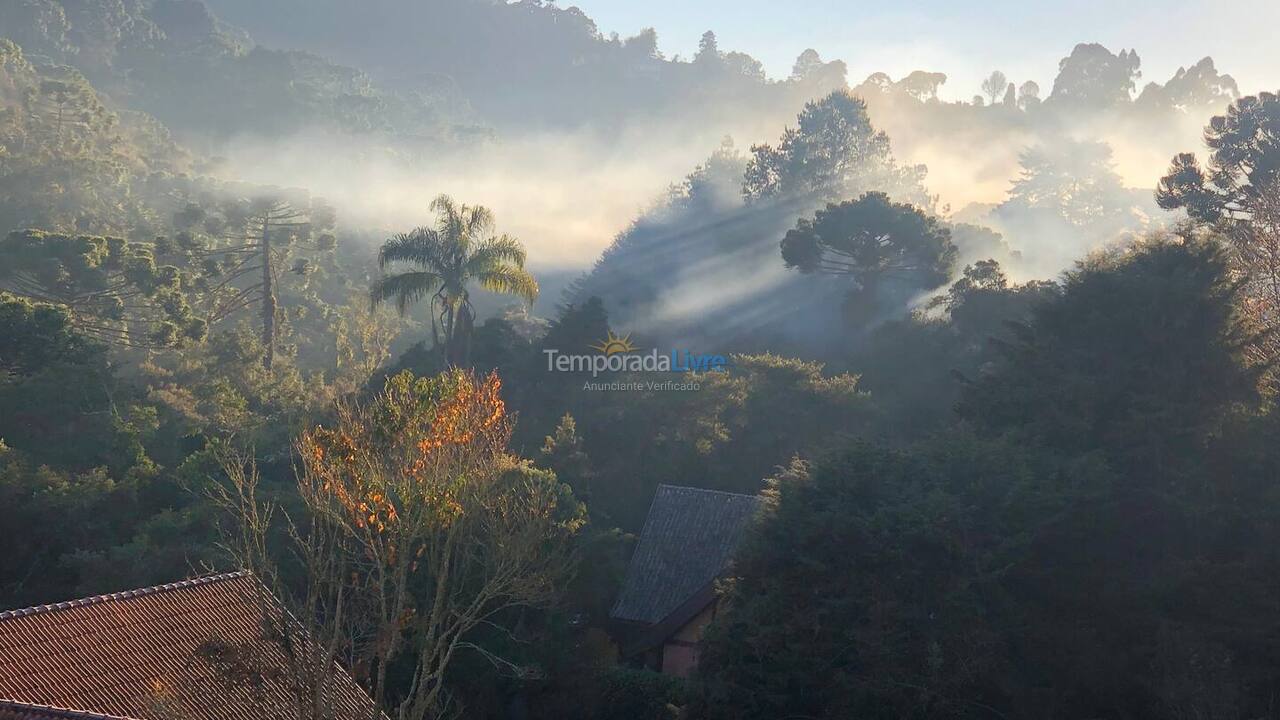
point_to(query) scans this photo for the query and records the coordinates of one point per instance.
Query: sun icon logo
(615, 344)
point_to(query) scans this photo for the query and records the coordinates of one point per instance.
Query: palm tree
(460, 250)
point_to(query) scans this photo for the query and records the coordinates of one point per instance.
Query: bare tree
(994, 86)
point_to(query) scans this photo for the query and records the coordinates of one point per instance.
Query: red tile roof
(28, 711)
(129, 653)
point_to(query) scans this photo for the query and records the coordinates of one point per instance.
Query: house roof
(10, 710)
(688, 540)
(147, 653)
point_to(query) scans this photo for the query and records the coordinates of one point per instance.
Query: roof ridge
(54, 711)
(706, 490)
(123, 595)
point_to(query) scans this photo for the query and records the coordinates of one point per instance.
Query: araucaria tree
(1243, 170)
(261, 235)
(111, 290)
(1238, 195)
(446, 259)
(420, 527)
(875, 242)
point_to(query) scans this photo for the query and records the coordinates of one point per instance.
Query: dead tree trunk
(268, 299)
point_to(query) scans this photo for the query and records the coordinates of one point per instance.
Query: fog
(567, 194)
(582, 140)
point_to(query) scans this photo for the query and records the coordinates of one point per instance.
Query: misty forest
(284, 286)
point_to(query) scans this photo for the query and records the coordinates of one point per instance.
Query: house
(668, 596)
(153, 654)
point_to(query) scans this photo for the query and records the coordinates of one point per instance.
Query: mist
(568, 194)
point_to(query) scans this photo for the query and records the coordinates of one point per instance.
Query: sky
(965, 39)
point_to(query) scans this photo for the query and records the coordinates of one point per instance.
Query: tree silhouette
(1093, 77)
(871, 240)
(708, 50)
(1028, 94)
(1243, 170)
(922, 85)
(458, 251)
(994, 86)
(834, 151)
(1238, 194)
(262, 231)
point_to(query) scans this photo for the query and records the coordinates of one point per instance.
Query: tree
(112, 291)
(810, 70)
(878, 82)
(1200, 86)
(643, 45)
(420, 527)
(872, 241)
(1142, 356)
(1238, 195)
(270, 216)
(859, 592)
(899, 362)
(263, 233)
(1243, 170)
(921, 85)
(834, 150)
(708, 50)
(1092, 77)
(993, 87)
(1029, 95)
(1010, 97)
(742, 64)
(1072, 182)
(34, 336)
(458, 251)
(69, 109)
(563, 453)
(1139, 367)
(806, 65)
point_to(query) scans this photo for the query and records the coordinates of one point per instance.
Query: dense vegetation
(1018, 457)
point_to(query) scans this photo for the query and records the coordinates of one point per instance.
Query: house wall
(680, 651)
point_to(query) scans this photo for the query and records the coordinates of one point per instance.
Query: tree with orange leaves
(421, 526)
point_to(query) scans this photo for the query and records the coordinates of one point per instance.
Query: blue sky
(966, 40)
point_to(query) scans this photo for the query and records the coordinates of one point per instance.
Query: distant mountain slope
(206, 79)
(529, 64)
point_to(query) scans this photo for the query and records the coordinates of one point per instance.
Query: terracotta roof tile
(120, 654)
(10, 710)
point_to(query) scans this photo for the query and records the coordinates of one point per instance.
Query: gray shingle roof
(688, 540)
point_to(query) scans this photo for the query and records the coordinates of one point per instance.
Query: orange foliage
(410, 450)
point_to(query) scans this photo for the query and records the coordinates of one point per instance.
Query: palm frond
(479, 221)
(496, 252)
(509, 280)
(420, 246)
(406, 288)
(443, 204)
(449, 220)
